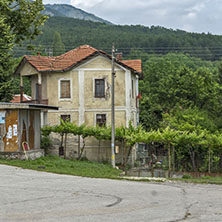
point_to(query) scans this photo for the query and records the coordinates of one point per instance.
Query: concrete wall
(32, 154)
(95, 150)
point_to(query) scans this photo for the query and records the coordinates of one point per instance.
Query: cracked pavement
(27, 195)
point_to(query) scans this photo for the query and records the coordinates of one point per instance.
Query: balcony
(42, 101)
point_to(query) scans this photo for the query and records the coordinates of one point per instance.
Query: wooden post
(21, 89)
(99, 151)
(125, 154)
(39, 96)
(122, 152)
(173, 157)
(209, 160)
(40, 93)
(65, 145)
(78, 146)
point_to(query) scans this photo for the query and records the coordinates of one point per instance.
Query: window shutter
(65, 88)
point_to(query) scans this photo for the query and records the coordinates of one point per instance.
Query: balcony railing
(43, 101)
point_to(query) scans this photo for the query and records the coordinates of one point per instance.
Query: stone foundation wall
(32, 154)
(94, 150)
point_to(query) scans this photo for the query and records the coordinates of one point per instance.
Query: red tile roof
(16, 98)
(136, 64)
(72, 58)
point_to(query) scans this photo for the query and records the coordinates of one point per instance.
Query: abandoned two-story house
(79, 83)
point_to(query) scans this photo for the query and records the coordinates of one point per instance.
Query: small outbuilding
(20, 124)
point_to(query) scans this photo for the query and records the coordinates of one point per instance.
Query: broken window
(101, 120)
(66, 118)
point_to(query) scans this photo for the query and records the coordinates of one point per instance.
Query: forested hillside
(65, 10)
(157, 40)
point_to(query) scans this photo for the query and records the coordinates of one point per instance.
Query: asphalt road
(27, 195)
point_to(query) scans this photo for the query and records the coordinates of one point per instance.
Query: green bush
(45, 144)
(187, 176)
(206, 177)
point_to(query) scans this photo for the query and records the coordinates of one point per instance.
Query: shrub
(187, 176)
(46, 143)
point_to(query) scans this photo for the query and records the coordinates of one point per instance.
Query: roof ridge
(73, 57)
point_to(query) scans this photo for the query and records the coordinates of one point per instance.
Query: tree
(5, 59)
(58, 46)
(174, 81)
(19, 20)
(23, 18)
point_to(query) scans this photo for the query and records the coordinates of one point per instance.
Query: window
(99, 88)
(66, 118)
(65, 89)
(101, 120)
(132, 89)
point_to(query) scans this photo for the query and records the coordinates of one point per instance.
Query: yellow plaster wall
(44, 87)
(54, 117)
(91, 75)
(28, 70)
(34, 80)
(98, 62)
(120, 118)
(133, 98)
(53, 85)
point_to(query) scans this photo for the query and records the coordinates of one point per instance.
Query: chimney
(119, 56)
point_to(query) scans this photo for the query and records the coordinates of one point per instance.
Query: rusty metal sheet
(31, 130)
(11, 125)
(23, 138)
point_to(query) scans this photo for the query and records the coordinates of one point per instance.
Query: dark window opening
(37, 91)
(101, 120)
(66, 118)
(99, 88)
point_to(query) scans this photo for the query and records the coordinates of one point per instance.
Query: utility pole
(113, 111)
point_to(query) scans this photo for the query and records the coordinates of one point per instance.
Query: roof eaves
(19, 67)
(126, 66)
(22, 63)
(98, 52)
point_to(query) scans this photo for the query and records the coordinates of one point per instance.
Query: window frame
(104, 114)
(60, 90)
(64, 115)
(94, 88)
(132, 89)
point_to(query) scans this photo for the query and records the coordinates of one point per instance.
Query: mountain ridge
(65, 10)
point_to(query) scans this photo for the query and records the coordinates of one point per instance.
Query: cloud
(191, 15)
(56, 2)
(85, 4)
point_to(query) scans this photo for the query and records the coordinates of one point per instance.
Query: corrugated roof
(4, 105)
(72, 58)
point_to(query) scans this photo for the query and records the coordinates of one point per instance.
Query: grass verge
(71, 167)
(59, 165)
(201, 180)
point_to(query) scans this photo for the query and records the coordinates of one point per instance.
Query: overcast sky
(190, 15)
